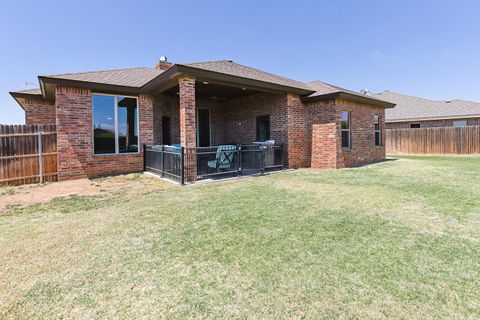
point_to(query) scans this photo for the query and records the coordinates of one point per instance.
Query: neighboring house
(415, 112)
(103, 117)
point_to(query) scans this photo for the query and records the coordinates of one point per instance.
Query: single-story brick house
(102, 117)
(416, 112)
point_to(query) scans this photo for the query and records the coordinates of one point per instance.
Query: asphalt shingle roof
(416, 108)
(322, 88)
(35, 91)
(231, 68)
(131, 77)
(138, 77)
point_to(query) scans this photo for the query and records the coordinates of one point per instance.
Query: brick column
(296, 132)
(74, 132)
(327, 146)
(188, 130)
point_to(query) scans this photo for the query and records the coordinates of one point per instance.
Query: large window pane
(345, 119)
(103, 124)
(127, 125)
(378, 132)
(345, 139)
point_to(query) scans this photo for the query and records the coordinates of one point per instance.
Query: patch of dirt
(31, 194)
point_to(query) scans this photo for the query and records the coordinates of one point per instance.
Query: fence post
(40, 156)
(162, 154)
(263, 160)
(182, 165)
(144, 157)
(281, 156)
(238, 162)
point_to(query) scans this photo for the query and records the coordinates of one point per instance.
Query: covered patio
(205, 128)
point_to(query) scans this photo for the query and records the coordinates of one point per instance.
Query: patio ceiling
(215, 91)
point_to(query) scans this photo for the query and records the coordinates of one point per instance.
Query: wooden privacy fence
(441, 140)
(28, 154)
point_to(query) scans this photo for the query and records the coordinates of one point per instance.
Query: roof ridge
(92, 71)
(210, 61)
(244, 66)
(273, 74)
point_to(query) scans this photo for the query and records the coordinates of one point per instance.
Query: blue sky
(425, 48)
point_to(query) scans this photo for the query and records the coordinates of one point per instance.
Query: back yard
(399, 239)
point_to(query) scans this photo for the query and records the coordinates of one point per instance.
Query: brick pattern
(296, 133)
(188, 135)
(166, 106)
(363, 149)
(239, 118)
(326, 146)
(75, 137)
(39, 111)
(432, 123)
(145, 110)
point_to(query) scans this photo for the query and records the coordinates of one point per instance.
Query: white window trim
(115, 117)
(348, 130)
(379, 131)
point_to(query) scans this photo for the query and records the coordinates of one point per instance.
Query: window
(115, 124)
(414, 125)
(378, 130)
(346, 138)
(459, 123)
(263, 128)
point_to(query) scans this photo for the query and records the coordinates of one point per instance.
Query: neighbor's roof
(325, 90)
(231, 68)
(416, 108)
(131, 77)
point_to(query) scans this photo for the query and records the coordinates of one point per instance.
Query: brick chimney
(163, 64)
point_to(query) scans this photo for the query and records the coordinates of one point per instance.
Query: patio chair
(225, 157)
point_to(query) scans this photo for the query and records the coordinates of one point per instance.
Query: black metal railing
(165, 161)
(233, 160)
(188, 164)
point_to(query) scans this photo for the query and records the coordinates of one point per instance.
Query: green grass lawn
(399, 239)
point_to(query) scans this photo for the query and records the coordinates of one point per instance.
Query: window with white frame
(346, 136)
(460, 123)
(378, 130)
(115, 124)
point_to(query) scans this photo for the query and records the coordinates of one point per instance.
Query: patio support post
(188, 130)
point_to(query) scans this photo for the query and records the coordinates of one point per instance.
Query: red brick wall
(166, 106)
(297, 141)
(75, 137)
(432, 123)
(39, 111)
(363, 149)
(239, 124)
(326, 146)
